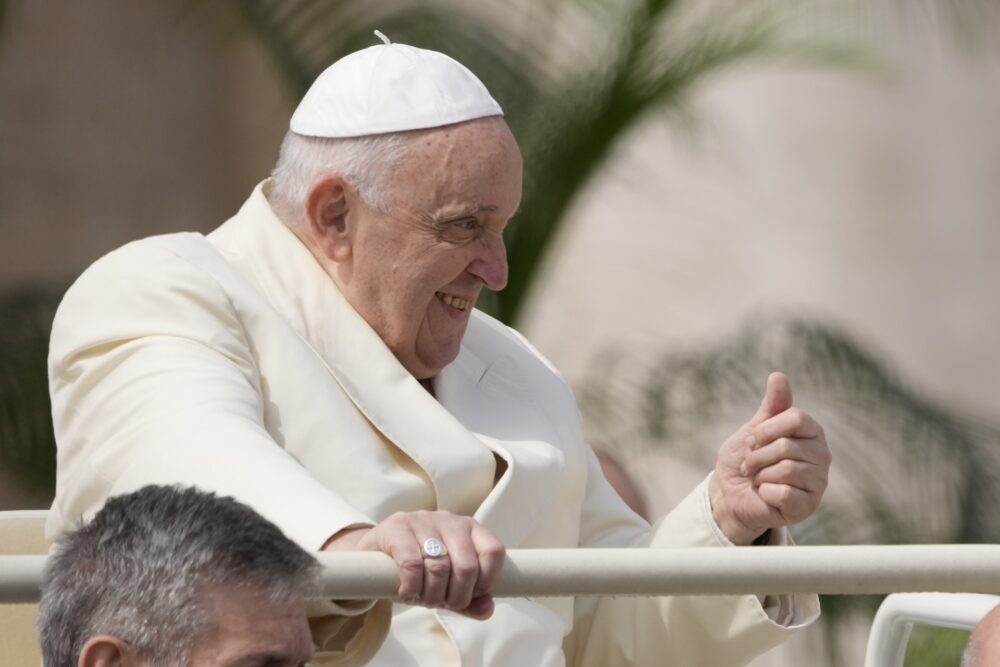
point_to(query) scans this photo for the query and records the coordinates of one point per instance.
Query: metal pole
(839, 570)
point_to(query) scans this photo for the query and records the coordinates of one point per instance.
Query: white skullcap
(391, 88)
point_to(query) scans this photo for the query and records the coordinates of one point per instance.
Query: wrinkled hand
(460, 581)
(773, 471)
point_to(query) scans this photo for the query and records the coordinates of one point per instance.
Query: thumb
(777, 398)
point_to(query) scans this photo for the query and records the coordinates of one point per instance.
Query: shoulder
(174, 284)
(175, 253)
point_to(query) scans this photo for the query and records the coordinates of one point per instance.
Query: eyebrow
(471, 210)
(266, 659)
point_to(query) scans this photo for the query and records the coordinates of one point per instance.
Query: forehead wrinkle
(442, 160)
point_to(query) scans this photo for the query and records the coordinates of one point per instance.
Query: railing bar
(838, 570)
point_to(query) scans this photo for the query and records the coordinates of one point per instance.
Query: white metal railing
(843, 570)
(898, 613)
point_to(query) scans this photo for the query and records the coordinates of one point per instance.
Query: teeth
(453, 301)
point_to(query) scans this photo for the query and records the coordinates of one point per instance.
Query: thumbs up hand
(773, 471)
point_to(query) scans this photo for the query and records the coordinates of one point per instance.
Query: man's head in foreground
(983, 649)
(170, 577)
(399, 174)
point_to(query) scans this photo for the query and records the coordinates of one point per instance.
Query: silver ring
(433, 548)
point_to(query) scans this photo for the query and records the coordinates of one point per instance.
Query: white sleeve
(681, 630)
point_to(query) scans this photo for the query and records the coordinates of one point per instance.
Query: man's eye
(462, 230)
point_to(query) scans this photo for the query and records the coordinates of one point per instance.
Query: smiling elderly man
(319, 357)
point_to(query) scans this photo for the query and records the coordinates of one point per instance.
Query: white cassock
(231, 362)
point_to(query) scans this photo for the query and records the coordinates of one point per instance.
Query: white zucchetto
(391, 88)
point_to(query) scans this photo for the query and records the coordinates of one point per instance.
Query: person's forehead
(471, 168)
(479, 134)
(251, 629)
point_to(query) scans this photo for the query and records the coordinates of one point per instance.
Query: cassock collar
(458, 463)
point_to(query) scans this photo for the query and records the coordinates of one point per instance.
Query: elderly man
(171, 576)
(319, 357)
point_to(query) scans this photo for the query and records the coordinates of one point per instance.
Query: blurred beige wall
(868, 197)
(123, 119)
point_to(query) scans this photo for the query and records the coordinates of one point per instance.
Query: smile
(453, 301)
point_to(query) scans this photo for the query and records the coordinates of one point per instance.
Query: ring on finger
(433, 548)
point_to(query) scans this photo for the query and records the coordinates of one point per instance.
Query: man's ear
(108, 651)
(327, 208)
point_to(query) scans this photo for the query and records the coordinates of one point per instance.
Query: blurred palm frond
(27, 445)
(906, 470)
(305, 36)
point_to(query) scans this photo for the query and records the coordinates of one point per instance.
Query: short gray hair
(141, 569)
(366, 164)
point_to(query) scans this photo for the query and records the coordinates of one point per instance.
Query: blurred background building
(723, 189)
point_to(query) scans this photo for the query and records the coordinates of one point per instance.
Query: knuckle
(411, 566)
(783, 495)
(493, 549)
(399, 518)
(787, 496)
(785, 468)
(465, 569)
(790, 448)
(782, 448)
(438, 567)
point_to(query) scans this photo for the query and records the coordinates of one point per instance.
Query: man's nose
(490, 265)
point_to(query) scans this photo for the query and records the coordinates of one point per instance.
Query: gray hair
(969, 655)
(366, 164)
(141, 569)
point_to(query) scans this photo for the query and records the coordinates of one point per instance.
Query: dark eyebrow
(265, 659)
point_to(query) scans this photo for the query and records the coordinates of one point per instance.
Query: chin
(432, 364)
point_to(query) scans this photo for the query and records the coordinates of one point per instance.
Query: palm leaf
(577, 126)
(27, 445)
(305, 36)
